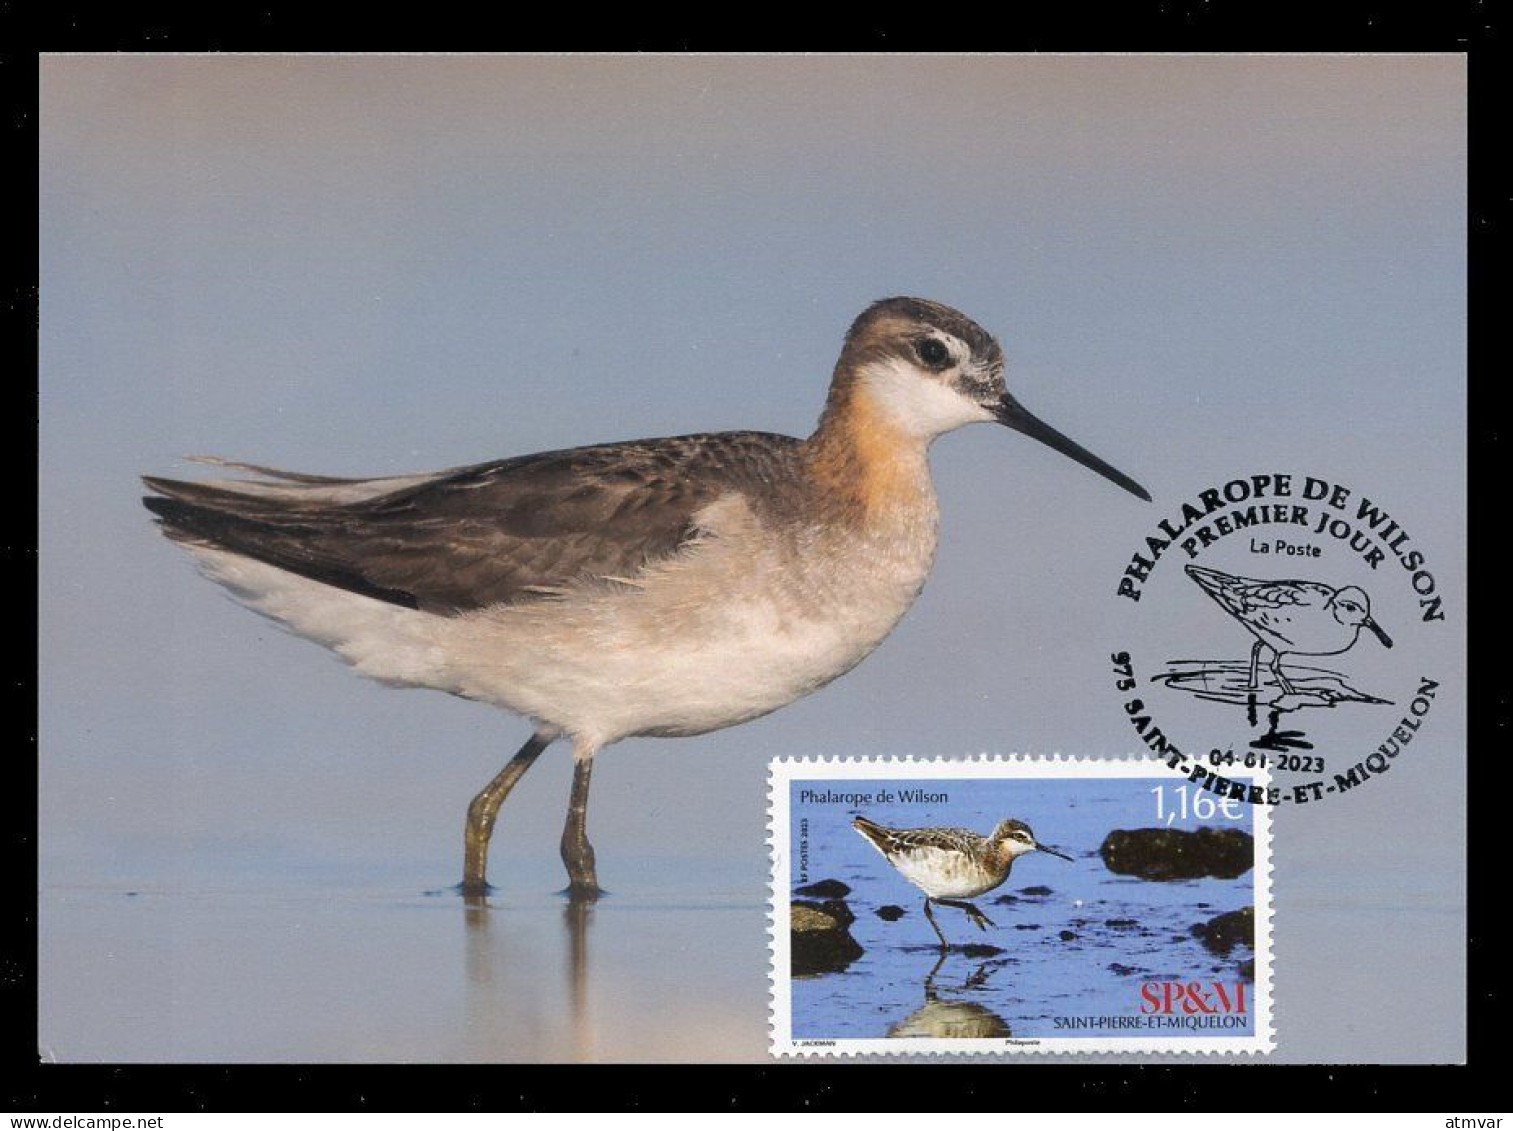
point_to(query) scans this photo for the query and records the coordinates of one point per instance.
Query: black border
(1470, 26)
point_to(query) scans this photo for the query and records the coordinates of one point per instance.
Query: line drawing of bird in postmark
(1286, 617)
(1290, 617)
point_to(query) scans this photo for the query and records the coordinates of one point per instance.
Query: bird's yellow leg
(484, 809)
(577, 852)
(930, 915)
(972, 912)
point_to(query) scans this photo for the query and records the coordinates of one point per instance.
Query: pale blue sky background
(1199, 267)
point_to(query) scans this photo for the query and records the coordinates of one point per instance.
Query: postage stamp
(1016, 905)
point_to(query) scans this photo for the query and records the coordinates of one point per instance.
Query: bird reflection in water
(576, 917)
(482, 961)
(953, 1019)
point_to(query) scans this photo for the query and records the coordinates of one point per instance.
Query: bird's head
(1014, 838)
(929, 369)
(1351, 606)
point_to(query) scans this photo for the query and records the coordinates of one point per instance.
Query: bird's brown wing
(945, 839)
(902, 840)
(497, 533)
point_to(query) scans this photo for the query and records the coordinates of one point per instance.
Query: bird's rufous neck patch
(862, 456)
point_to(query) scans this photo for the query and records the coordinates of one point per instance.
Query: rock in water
(819, 939)
(1176, 854)
(976, 949)
(825, 889)
(1223, 933)
(890, 913)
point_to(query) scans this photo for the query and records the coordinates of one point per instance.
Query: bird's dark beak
(1010, 412)
(1054, 852)
(1014, 415)
(1380, 634)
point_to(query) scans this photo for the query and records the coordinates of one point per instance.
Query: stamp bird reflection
(664, 587)
(954, 866)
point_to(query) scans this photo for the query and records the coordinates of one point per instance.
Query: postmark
(1015, 905)
(1277, 621)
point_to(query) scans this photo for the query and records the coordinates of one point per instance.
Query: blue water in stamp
(1123, 931)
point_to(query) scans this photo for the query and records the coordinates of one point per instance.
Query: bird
(954, 866)
(662, 587)
(1305, 618)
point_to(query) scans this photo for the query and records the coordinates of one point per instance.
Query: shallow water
(290, 959)
(1081, 949)
(669, 966)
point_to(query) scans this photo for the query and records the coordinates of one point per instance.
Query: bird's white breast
(943, 874)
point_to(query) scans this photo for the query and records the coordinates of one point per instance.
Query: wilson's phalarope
(953, 866)
(1301, 617)
(656, 587)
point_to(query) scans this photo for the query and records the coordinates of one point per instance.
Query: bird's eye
(932, 352)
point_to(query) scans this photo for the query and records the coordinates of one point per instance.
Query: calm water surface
(670, 966)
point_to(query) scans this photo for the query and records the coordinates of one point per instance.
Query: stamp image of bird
(954, 866)
(666, 587)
